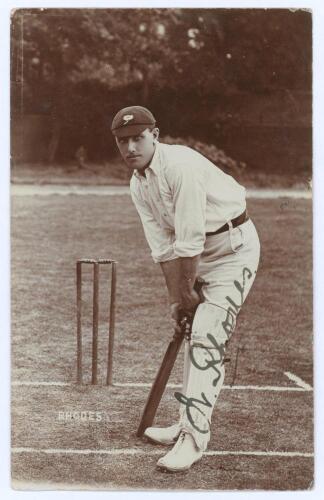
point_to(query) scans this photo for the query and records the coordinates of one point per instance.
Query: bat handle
(198, 285)
(186, 317)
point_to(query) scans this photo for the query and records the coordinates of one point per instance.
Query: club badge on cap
(127, 118)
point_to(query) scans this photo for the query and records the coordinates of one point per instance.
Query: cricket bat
(162, 377)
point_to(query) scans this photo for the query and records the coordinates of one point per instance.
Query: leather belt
(235, 222)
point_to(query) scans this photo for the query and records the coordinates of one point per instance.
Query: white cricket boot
(163, 435)
(182, 456)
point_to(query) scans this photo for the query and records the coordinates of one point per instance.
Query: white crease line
(263, 388)
(143, 384)
(272, 388)
(53, 485)
(299, 381)
(61, 189)
(139, 451)
(66, 189)
(226, 387)
(36, 384)
(278, 193)
(260, 453)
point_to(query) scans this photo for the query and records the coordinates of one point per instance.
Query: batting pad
(205, 373)
(207, 327)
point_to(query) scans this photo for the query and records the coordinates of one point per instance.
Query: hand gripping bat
(162, 377)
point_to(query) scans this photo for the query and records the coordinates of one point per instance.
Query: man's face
(137, 150)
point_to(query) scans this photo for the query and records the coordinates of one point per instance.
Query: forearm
(189, 267)
(188, 274)
(172, 273)
(180, 275)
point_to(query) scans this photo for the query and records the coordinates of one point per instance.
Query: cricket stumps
(96, 263)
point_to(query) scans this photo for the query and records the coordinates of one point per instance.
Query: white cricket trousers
(228, 264)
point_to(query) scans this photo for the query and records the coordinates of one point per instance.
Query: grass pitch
(273, 336)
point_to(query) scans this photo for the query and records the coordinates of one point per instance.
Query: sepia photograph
(161, 232)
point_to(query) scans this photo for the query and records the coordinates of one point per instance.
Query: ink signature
(215, 354)
(234, 309)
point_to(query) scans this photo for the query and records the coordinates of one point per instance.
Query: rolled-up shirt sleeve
(189, 199)
(159, 239)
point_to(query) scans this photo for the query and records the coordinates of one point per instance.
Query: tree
(56, 48)
(200, 52)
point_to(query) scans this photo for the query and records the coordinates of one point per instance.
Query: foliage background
(238, 80)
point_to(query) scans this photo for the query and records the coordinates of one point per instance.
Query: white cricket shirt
(182, 196)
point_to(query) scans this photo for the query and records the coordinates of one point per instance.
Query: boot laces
(181, 439)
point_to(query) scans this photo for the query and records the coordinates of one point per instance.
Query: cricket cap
(132, 121)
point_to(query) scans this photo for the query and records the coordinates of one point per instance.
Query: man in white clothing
(196, 224)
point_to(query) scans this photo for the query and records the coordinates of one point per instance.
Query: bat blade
(159, 384)
(162, 377)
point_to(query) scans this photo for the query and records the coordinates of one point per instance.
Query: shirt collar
(155, 162)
